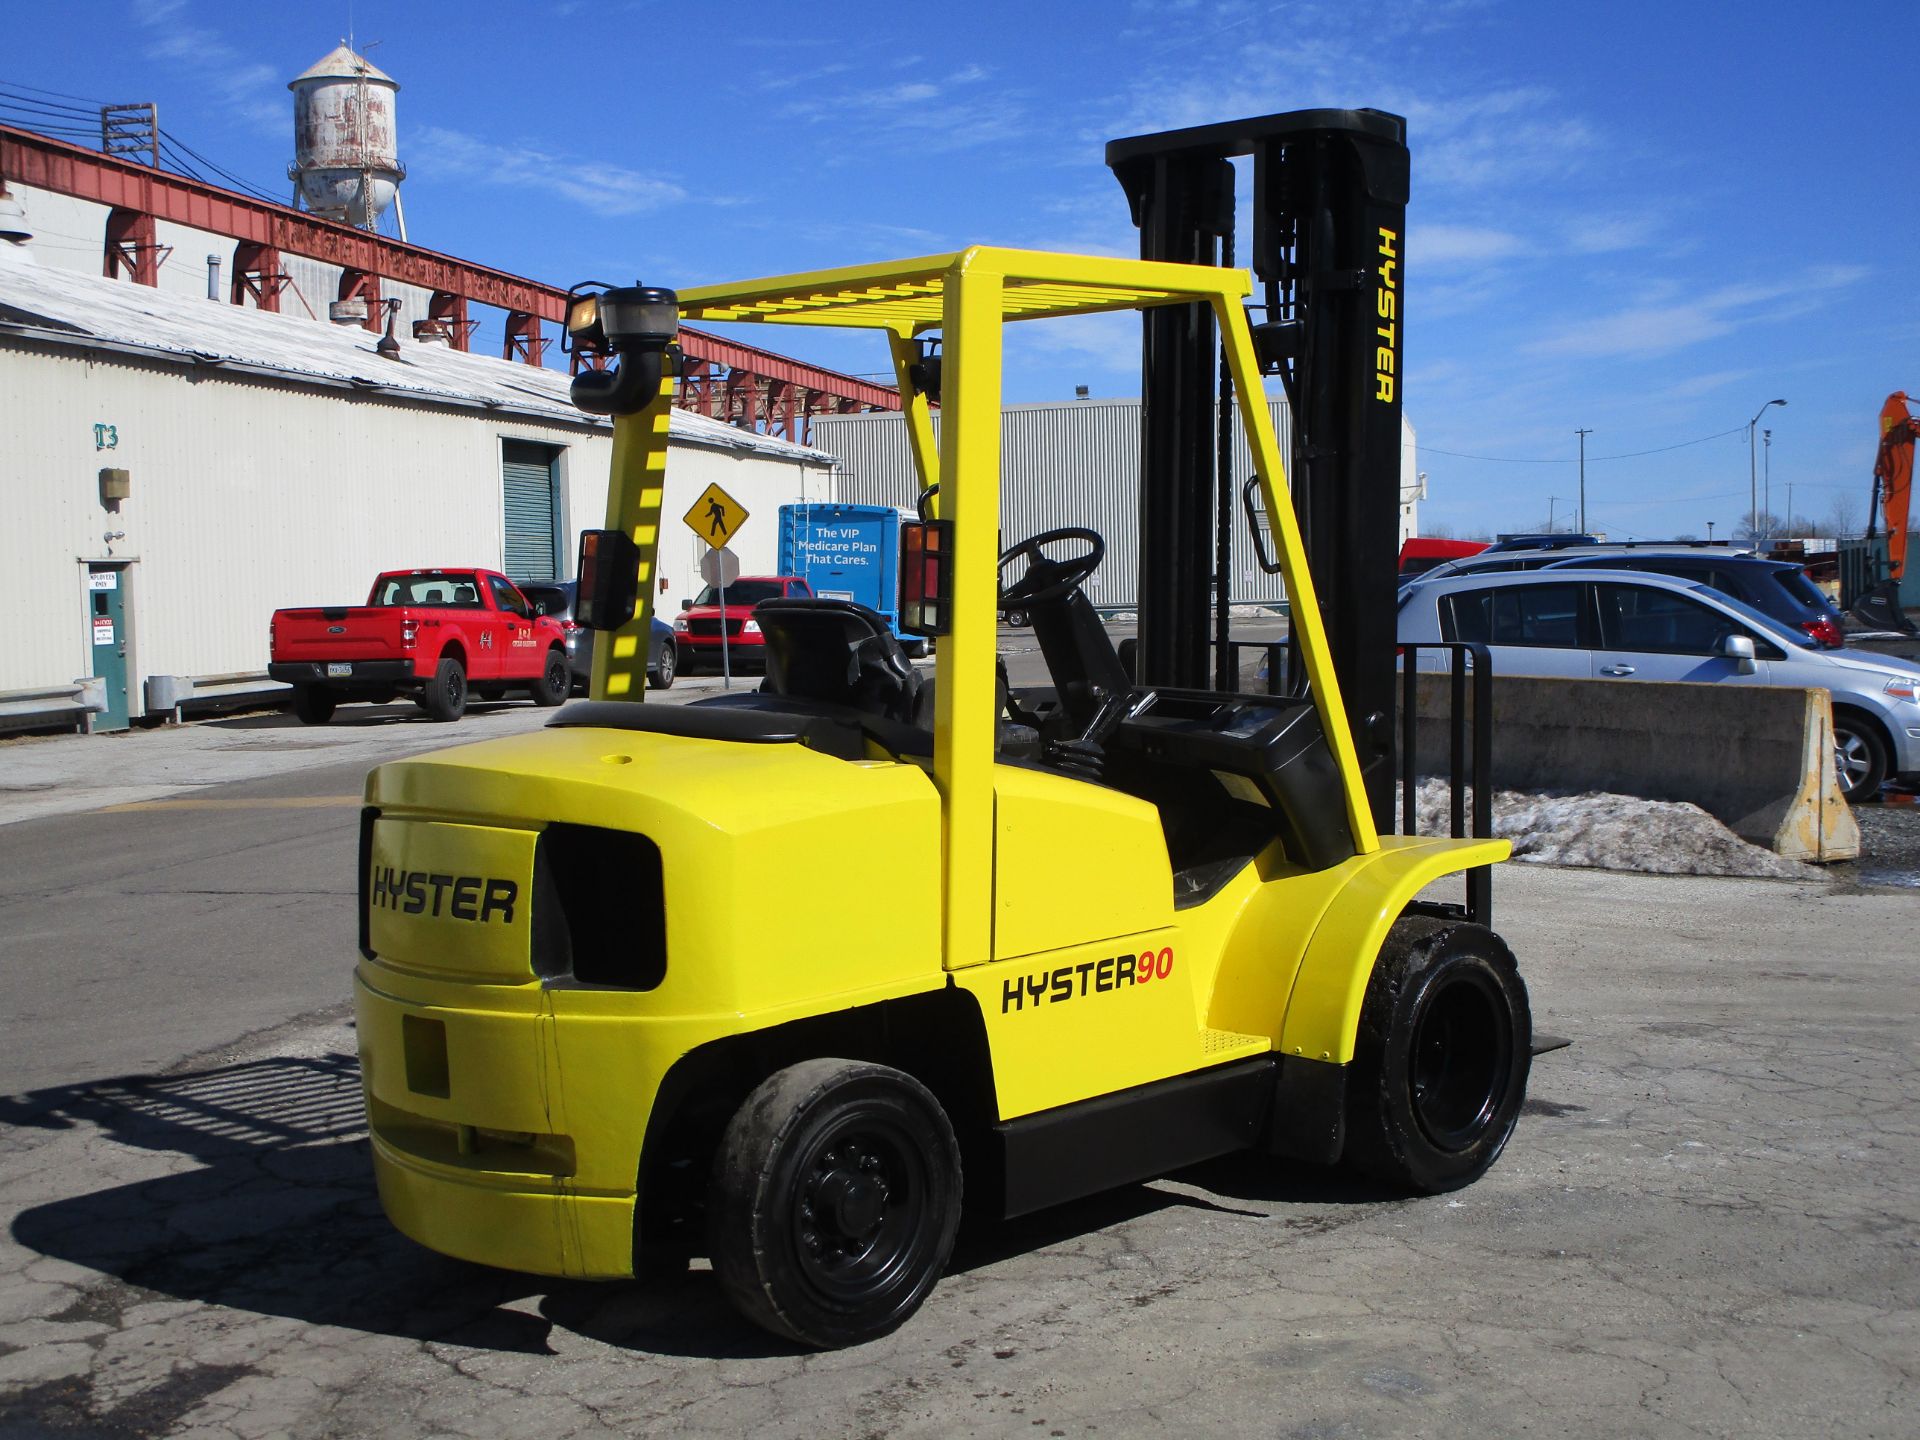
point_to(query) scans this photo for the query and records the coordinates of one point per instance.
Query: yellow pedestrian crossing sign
(716, 516)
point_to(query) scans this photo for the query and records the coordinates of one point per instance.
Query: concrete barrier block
(1758, 758)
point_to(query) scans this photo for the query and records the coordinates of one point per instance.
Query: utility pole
(1583, 478)
(1709, 532)
(1550, 503)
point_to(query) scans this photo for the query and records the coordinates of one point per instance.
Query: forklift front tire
(1440, 1063)
(835, 1198)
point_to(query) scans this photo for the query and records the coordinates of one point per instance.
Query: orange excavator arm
(1893, 477)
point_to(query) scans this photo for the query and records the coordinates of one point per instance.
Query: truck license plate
(339, 669)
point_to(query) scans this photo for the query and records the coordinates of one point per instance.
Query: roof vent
(13, 218)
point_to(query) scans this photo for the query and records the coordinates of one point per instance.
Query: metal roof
(89, 313)
(909, 295)
(340, 63)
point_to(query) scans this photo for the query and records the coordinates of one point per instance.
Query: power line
(85, 100)
(1591, 459)
(49, 116)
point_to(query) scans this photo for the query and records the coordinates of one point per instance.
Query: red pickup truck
(697, 627)
(433, 635)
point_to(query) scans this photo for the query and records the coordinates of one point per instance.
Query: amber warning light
(609, 579)
(926, 547)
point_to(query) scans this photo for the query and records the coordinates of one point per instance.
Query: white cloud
(1597, 235)
(602, 188)
(920, 115)
(1459, 244)
(1657, 325)
(252, 91)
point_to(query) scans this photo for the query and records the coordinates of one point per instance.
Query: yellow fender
(1323, 1013)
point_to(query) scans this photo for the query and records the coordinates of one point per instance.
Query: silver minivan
(1632, 625)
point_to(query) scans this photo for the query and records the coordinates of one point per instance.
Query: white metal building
(272, 461)
(1073, 463)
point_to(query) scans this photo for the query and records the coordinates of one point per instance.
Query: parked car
(434, 635)
(1625, 624)
(1552, 540)
(556, 598)
(697, 626)
(1419, 555)
(1774, 587)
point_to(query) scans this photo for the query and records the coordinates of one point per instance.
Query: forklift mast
(1329, 200)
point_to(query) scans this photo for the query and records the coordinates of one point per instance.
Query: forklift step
(1231, 1045)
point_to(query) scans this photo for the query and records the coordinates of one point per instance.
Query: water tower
(346, 166)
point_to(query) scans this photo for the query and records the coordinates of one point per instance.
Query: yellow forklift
(785, 977)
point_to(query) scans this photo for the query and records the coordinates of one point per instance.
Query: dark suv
(556, 597)
(1776, 588)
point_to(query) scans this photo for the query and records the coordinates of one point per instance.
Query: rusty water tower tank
(346, 163)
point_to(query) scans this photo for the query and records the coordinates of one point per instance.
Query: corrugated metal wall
(1075, 463)
(250, 496)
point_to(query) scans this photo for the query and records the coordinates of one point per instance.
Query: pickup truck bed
(436, 636)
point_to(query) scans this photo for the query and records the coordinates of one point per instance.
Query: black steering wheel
(1047, 580)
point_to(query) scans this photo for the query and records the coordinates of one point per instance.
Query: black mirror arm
(627, 389)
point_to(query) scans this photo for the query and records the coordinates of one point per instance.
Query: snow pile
(1615, 832)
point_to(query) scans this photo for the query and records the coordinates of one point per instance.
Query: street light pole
(1753, 472)
(1766, 482)
(1583, 478)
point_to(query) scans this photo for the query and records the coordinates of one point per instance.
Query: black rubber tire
(1859, 751)
(555, 679)
(688, 663)
(660, 677)
(445, 697)
(834, 1200)
(1018, 619)
(1440, 1064)
(313, 704)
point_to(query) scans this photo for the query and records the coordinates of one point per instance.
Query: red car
(433, 635)
(1418, 556)
(696, 628)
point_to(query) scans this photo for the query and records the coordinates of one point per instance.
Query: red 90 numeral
(1153, 967)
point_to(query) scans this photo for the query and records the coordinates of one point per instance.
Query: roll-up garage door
(526, 474)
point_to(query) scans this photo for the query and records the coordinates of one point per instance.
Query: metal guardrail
(1470, 660)
(79, 701)
(173, 694)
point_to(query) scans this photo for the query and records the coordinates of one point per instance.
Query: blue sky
(1644, 219)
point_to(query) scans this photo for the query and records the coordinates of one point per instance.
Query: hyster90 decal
(1070, 982)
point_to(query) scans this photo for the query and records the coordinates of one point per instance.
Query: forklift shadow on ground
(280, 1218)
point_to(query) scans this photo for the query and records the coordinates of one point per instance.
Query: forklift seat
(839, 653)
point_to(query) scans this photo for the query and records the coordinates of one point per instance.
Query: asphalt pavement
(1707, 1223)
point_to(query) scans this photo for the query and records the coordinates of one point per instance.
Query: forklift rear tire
(313, 704)
(835, 1198)
(445, 697)
(1440, 1063)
